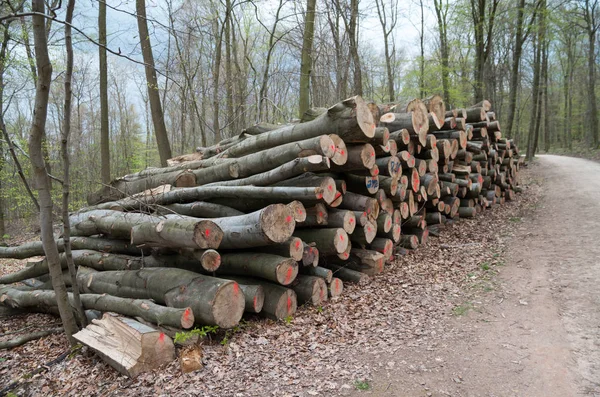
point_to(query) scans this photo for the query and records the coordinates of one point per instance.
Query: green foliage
(462, 309)
(485, 266)
(288, 319)
(181, 337)
(362, 385)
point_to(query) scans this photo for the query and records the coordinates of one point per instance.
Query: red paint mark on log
(342, 238)
(288, 275)
(330, 188)
(254, 302)
(389, 222)
(351, 220)
(319, 196)
(288, 219)
(186, 314)
(320, 215)
(207, 232)
(236, 288)
(161, 337)
(342, 152)
(333, 147)
(369, 228)
(372, 154)
(289, 304)
(337, 284)
(298, 244)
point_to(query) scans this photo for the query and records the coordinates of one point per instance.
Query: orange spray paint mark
(161, 337)
(288, 219)
(254, 302)
(207, 232)
(186, 314)
(330, 188)
(236, 288)
(298, 244)
(289, 304)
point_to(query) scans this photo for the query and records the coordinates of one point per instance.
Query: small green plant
(288, 319)
(515, 219)
(461, 309)
(485, 266)
(362, 385)
(319, 309)
(6, 236)
(11, 394)
(181, 337)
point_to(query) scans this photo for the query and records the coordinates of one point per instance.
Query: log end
(228, 305)
(210, 260)
(187, 319)
(336, 286)
(364, 117)
(278, 222)
(287, 271)
(207, 235)
(286, 305)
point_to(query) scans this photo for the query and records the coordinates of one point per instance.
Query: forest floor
(505, 304)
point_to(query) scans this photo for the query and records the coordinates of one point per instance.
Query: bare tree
(66, 185)
(158, 117)
(441, 12)
(306, 61)
(388, 19)
(591, 19)
(483, 22)
(44, 72)
(104, 128)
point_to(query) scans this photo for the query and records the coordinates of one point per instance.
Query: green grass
(485, 266)
(362, 385)
(515, 219)
(461, 310)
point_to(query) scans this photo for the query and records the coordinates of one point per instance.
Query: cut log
(365, 185)
(384, 222)
(389, 166)
(254, 297)
(357, 202)
(324, 184)
(389, 185)
(359, 157)
(401, 137)
(384, 246)
(344, 219)
(315, 216)
(329, 241)
(365, 234)
(335, 287)
(435, 104)
(198, 209)
(409, 241)
(324, 273)
(298, 210)
(348, 275)
(270, 267)
(35, 248)
(175, 231)
(415, 123)
(41, 300)
(288, 170)
(292, 248)
(128, 346)
(213, 301)
(310, 289)
(310, 255)
(280, 302)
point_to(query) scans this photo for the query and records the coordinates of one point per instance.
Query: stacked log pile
(278, 216)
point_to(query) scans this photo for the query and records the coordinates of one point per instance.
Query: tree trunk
(306, 59)
(44, 70)
(514, 75)
(593, 130)
(103, 69)
(158, 117)
(213, 301)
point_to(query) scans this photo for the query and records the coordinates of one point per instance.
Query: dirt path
(536, 330)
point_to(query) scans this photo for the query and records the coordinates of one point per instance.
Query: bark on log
(288, 170)
(128, 346)
(291, 248)
(310, 289)
(279, 303)
(365, 185)
(409, 241)
(401, 137)
(198, 209)
(315, 216)
(435, 104)
(270, 267)
(416, 124)
(348, 275)
(213, 301)
(310, 256)
(357, 202)
(254, 297)
(35, 248)
(389, 166)
(148, 310)
(174, 231)
(359, 158)
(324, 273)
(384, 246)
